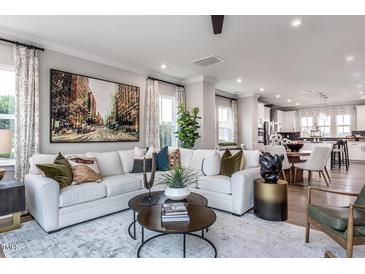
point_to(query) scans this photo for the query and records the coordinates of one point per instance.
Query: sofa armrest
(242, 189)
(43, 200)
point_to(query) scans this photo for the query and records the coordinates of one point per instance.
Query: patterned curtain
(180, 95)
(152, 114)
(27, 107)
(235, 120)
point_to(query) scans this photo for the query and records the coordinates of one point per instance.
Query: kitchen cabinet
(360, 111)
(287, 121)
(356, 151)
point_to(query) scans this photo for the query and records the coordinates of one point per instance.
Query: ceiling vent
(207, 61)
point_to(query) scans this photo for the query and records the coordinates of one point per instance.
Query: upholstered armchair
(345, 225)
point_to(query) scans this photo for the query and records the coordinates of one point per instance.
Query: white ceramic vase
(177, 194)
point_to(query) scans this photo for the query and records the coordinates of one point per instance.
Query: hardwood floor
(349, 181)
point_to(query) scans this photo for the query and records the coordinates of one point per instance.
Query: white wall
(247, 120)
(6, 55)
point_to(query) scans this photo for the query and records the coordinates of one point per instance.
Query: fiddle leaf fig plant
(188, 126)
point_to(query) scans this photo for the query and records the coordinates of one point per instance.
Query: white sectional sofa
(54, 208)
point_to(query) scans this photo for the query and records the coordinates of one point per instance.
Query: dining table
(293, 158)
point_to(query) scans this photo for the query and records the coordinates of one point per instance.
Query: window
(7, 105)
(225, 124)
(324, 123)
(306, 124)
(343, 125)
(167, 121)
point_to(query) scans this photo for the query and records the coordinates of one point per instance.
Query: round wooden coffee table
(137, 203)
(201, 218)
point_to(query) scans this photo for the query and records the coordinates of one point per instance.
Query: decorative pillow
(211, 164)
(92, 163)
(127, 157)
(85, 174)
(251, 158)
(230, 163)
(139, 153)
(60, 171)
(138, 165)
(174, 158)
(162, 159)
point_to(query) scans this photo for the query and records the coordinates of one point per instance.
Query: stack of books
(174, 212)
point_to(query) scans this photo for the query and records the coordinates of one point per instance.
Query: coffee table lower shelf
(183, 241)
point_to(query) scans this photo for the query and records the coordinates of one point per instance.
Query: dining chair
(281, 150)
(316, 162)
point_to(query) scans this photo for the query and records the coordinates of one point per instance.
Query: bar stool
(340, 155)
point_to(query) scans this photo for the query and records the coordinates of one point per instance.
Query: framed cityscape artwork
(86, 109)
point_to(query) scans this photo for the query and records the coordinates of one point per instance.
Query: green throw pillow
(59, 171)
(230, 163)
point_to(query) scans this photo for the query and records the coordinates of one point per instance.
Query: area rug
(107, 237)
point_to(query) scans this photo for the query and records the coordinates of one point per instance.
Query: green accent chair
(345, 225)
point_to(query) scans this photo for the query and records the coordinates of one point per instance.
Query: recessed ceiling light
(262, 89)
(350, 58)
(289, 100)
(359, 86)
(362, 97)
(297, 104)
(296, 22)
(239, 80)
(163, 66)
(361, 92)
(356, 74)
(277, 96)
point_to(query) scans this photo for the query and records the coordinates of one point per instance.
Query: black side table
(12, 201)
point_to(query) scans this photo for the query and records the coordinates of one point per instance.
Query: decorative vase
(177, 194)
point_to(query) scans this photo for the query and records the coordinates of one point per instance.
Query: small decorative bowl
(295, 147)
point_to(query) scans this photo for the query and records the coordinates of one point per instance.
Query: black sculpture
(271, 166)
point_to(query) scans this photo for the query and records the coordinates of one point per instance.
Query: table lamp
(5, 146)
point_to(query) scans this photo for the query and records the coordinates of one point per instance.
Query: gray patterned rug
(237, 237)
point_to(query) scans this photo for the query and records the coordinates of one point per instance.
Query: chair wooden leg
(326, 170)
(349, 248)
(284, 175)
(324, 177)
(309, 176)
(307, 229)
(319, 175)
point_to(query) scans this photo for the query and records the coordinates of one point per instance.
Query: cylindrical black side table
(271, 200)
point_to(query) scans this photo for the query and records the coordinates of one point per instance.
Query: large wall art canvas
(86, 109)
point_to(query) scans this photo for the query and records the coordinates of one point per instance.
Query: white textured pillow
(109, 162)
(251, 158)
(139, 153)
(127, 159)
(211, 164)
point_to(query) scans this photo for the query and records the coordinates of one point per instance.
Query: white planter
(177, 194)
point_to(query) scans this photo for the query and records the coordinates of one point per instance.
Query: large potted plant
(188, 126)
(177, 181)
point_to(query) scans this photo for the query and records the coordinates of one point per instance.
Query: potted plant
(177, 181)
(188, 126)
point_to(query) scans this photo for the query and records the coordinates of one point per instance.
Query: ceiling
(265, 51)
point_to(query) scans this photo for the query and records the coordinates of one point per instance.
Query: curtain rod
(163, 81)
(21, 44)
(226, 97)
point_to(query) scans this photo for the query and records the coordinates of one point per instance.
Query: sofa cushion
(211, 164)
(139, 176)
(251, 158)
(120, 184)
(197, 158)
(185, 157)
(127, 157)
(230, 163)
(109, 163)
(78, 194)
(220, 184)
